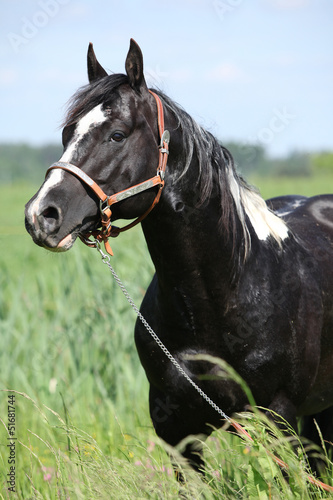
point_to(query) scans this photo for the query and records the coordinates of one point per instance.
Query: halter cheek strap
(107, 230)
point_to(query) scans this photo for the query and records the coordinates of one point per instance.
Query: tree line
(253, 159)
(23, 162)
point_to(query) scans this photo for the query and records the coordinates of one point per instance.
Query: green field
(81, 398)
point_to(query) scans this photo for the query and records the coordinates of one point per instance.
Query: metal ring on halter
(103, 204)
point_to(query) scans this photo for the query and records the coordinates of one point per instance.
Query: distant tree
(248, 157)
(294, 165)
(26, 163)
(22, 162)
(49, 154)
(322, 162)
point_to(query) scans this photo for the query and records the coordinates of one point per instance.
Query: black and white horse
(238, 278)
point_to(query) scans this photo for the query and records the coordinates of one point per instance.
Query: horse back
(310, 219)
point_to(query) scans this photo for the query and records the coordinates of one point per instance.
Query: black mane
(91, 95)
(216, 168)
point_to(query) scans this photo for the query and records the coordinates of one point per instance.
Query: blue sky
(247, 70)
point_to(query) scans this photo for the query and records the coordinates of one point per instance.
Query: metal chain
(106, 260)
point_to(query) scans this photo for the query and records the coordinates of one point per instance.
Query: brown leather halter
(107, 230)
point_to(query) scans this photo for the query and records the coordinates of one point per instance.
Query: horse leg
(310, 431)
(282, 406)
(172, 426)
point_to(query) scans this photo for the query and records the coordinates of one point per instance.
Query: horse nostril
(50, 218)
(50, 213)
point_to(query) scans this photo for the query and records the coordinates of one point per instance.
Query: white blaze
(93, 118)
(54, 178)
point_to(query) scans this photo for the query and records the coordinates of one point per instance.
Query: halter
(107, 230)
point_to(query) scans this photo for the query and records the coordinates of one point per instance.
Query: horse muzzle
(44, 226)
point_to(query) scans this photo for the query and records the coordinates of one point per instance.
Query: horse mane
(243, 210)
(91, 95)
(242, 207)
(214, 160)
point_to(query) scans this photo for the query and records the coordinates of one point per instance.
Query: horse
(236, 277)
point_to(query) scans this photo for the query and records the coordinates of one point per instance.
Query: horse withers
(237, 278)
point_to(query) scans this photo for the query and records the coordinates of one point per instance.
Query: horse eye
(117, 137)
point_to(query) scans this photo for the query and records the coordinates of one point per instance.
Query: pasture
(81, 414)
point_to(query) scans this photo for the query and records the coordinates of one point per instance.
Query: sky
(254, 71)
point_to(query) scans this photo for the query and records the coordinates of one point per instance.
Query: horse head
(111, 135)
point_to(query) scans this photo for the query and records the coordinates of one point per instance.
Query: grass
(306, 186)
(81, 397)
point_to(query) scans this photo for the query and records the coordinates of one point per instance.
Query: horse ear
(95, 70)
(134, 66)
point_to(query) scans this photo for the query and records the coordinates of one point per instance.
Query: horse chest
(196, 327)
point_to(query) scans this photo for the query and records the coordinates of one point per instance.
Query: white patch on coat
(93, 118)
(264, 222)
(319, 210)
(66, 243)
(54, 178)
(290, 208)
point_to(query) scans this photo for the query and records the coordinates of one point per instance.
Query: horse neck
(186, 237)
(209, 241)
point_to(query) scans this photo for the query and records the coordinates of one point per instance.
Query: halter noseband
(107, 230)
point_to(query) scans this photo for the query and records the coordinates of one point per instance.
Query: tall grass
(82, 418)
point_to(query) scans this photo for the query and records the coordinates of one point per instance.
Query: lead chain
(106, 260)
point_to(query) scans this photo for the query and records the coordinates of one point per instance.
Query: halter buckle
(103, 205)
(165, 139)
(161, 174)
